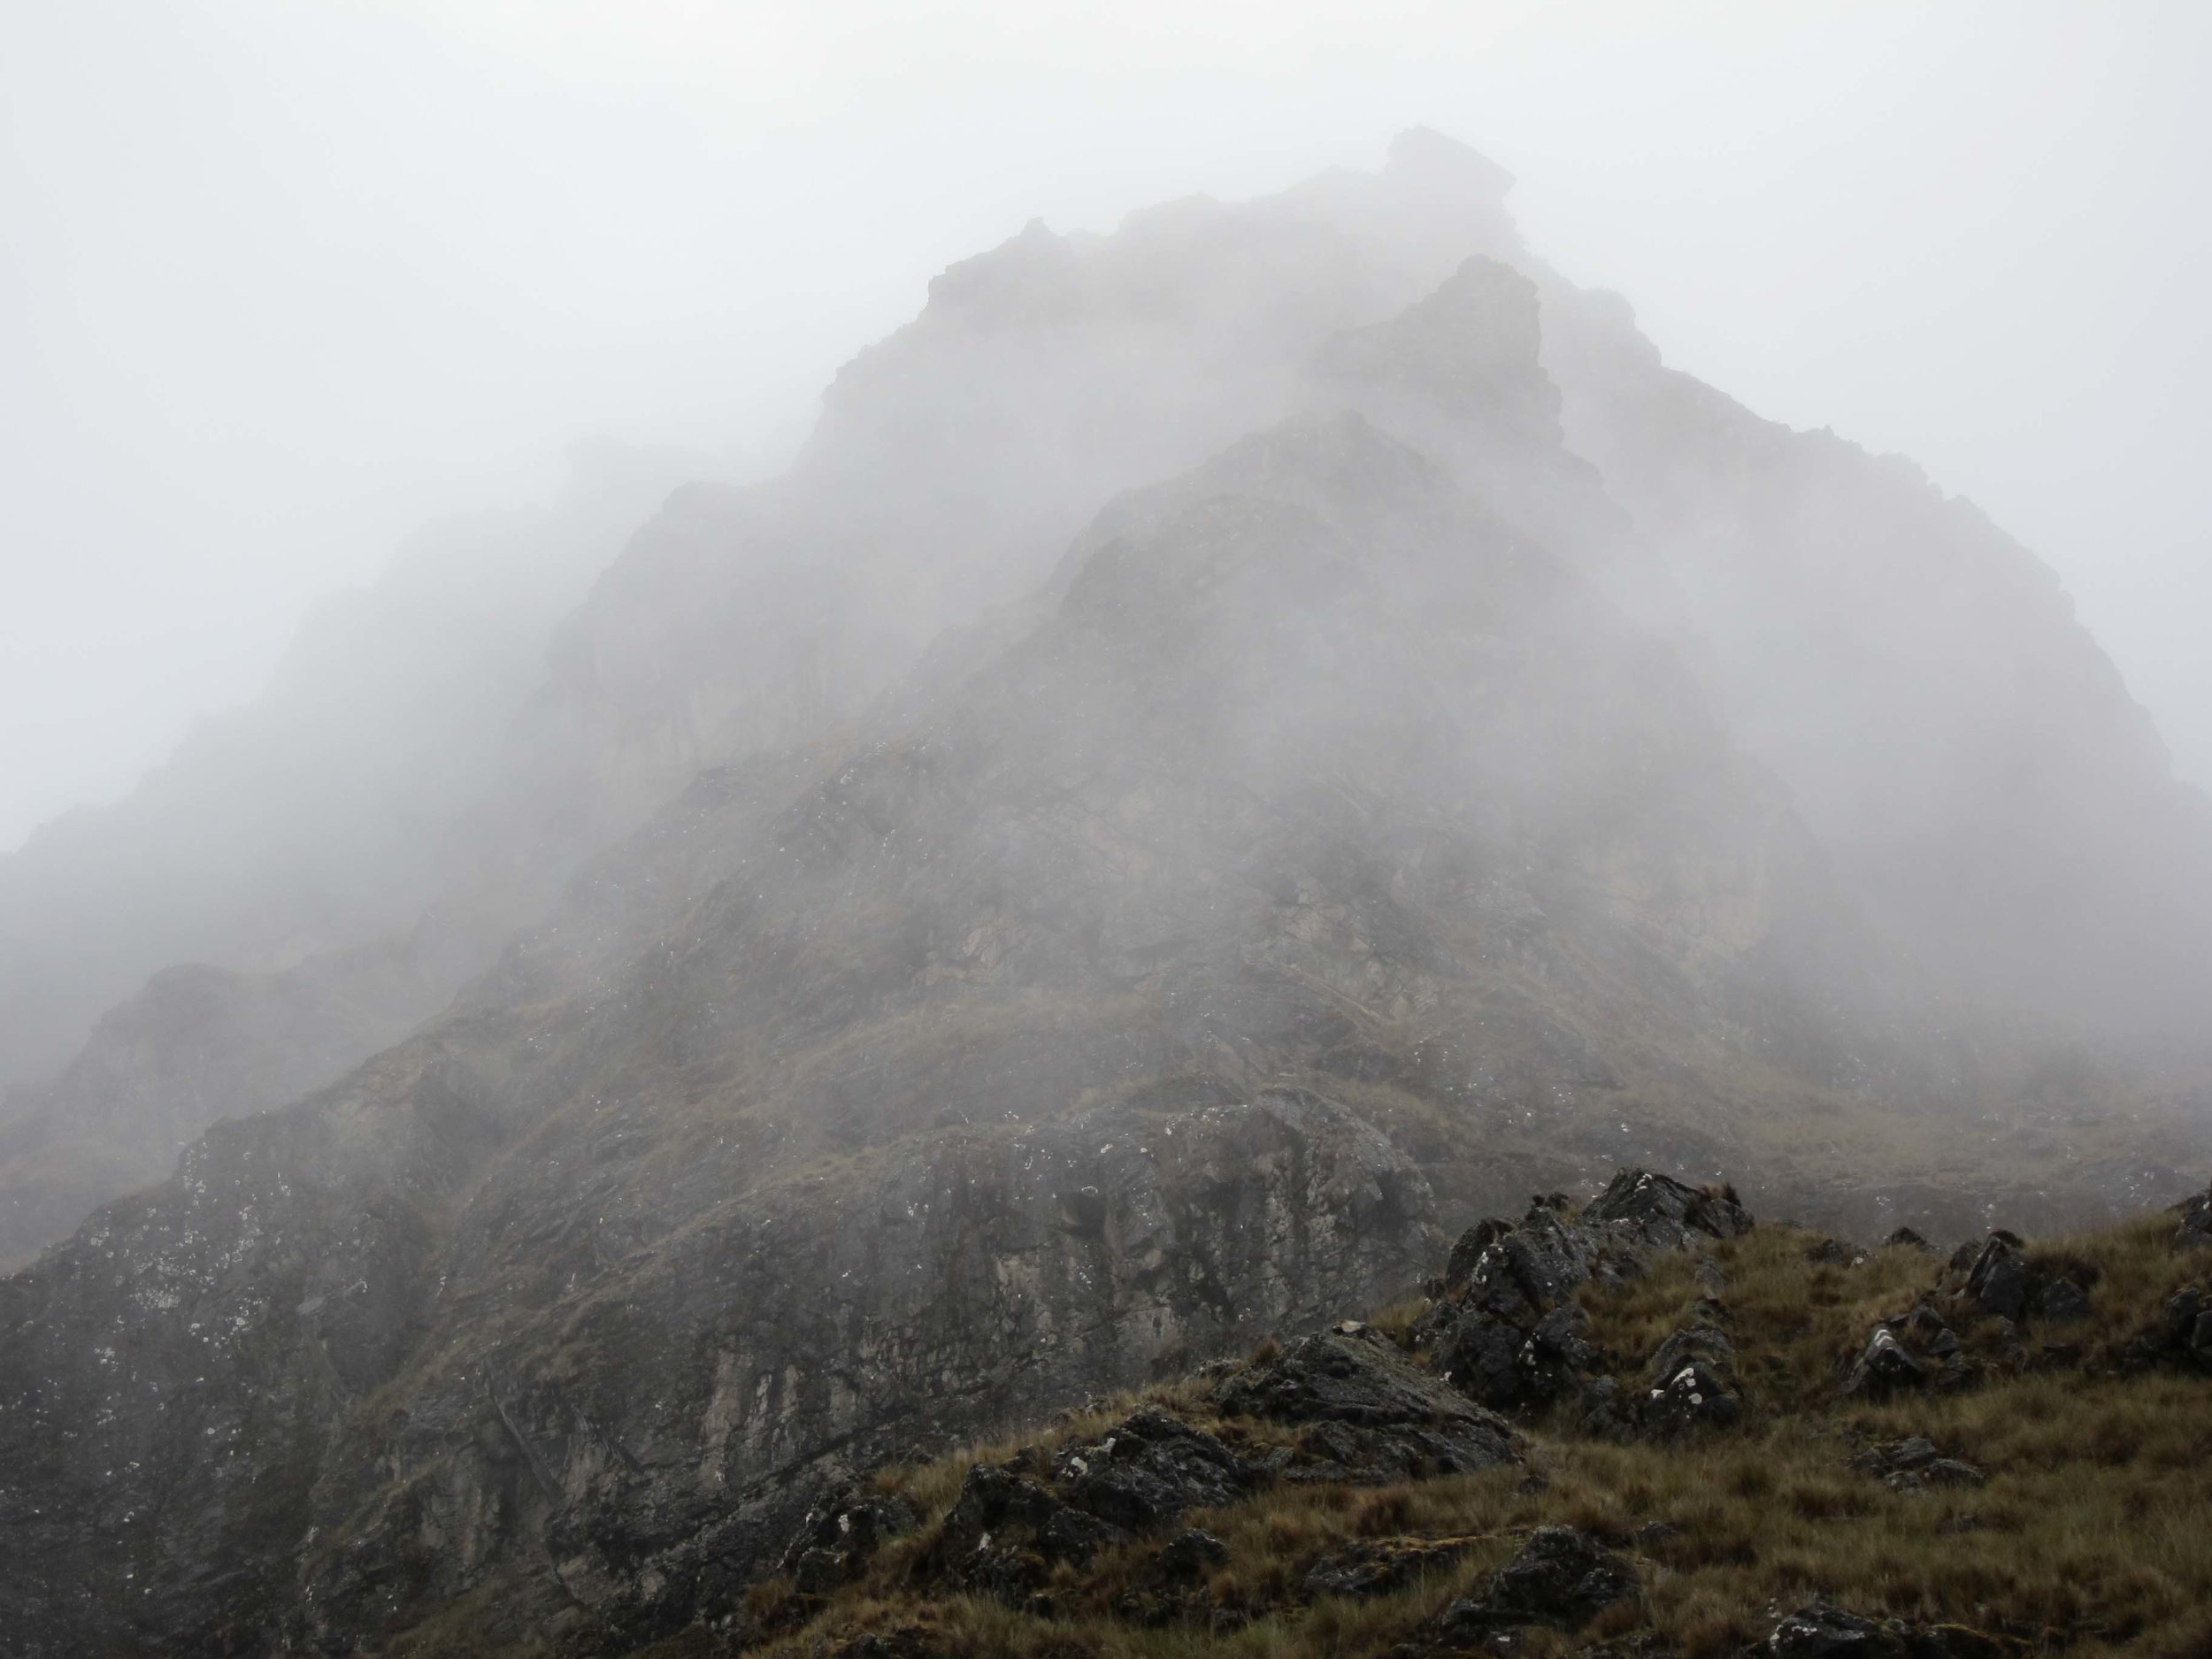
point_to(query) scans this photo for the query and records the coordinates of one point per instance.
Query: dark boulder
(1912, 1352)
(1692, 1400)
(1884, 1367)
(1561, 1576)
(1383, 1567)
(1460, 1265)
(1004, 1532)
(1171, 1588)
(1506, 1328)
(1824, 1631)
(1146, 1470)
(1914, 1465)
(1660, 1211)
(2195, 1231)
(1998, 1281)
(2061, 1301)
(1603, 1415)
(1690, 1382)
(2180, 1335)
(1503, 1364)
(1374, 1415)
(1906, 1238)
(1349, 1374)
(1186, 1555)
(1363, 1455)
(840, 1535)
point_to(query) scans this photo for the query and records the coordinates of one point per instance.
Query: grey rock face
(659, 1444)
(576, 1304)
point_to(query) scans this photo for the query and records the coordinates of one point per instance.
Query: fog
(282, 282)
(846, 724)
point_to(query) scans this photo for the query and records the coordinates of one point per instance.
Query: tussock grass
(2092, 1535)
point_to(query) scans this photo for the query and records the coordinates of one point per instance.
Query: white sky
(278, 278)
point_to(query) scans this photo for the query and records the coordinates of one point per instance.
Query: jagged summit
(1239, 744)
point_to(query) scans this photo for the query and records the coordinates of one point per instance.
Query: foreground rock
(1902, 1355)
(2195, 1230)
(626, 1464)
(1690, 1382)
(2180, 1335)
(1913, 1465)
(1561, 1576)
(1371, 1415)
(1822, 1630)
(1506, 1328)
(841, 1535)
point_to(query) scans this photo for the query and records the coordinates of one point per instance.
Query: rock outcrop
(1506, 1328)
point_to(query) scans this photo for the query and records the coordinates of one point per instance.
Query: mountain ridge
(1067, 875)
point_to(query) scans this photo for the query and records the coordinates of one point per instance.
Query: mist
(282, 284)
(741, 749)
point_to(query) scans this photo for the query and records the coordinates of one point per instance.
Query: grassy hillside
(2061, 1503)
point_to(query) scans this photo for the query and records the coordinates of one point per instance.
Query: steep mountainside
(1002, 1058)
(1956, 745)
(1229, 753)
(1127, 986)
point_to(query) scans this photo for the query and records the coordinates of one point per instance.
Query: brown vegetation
(2092, 1535)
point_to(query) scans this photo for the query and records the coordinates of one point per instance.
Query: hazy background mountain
(278, 284)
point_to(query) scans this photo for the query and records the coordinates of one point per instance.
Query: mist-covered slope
(1954, 743)
(310, 876)
(1085, 1009)
(1238, 743)
(332, 809)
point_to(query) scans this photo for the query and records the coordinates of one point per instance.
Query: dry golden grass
(2092, 1535)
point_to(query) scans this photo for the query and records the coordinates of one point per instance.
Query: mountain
(1239, 746)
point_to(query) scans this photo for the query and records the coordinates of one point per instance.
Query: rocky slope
(1703, 1438)
(1082, 1014)
(1039, 978)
